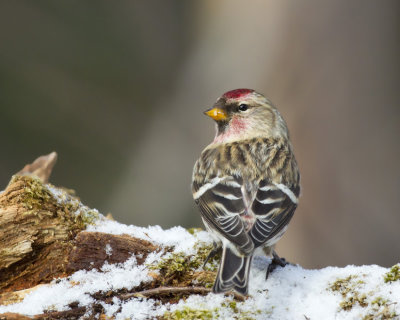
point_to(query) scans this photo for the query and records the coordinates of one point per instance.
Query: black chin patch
(222, 126)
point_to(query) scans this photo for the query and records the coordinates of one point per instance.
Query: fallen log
(43, 238)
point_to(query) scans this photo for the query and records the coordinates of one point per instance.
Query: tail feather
(233, 273)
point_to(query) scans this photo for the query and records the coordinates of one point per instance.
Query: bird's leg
(217, 249)
(276, 262)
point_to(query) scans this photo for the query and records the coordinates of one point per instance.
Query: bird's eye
(243, 107)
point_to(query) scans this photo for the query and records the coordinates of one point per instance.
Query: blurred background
(118, 90)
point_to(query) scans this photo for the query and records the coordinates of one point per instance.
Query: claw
(276, 262)
(212, 254)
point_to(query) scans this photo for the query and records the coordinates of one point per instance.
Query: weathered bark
(41, 235)
(40, 168)
(42, 240)
(35, 234)
(90, 250)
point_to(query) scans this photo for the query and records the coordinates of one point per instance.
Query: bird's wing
(221, 203)
(273, 207)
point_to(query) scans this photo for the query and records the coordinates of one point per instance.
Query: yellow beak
(216, 113)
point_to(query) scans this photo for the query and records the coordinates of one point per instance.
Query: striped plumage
(246, 183)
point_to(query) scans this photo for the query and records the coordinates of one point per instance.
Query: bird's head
(244, 114)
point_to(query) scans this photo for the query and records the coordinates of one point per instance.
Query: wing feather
(221, 206)
(273, 207)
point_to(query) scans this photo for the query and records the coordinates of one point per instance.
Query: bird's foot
(212, 254)
(276, 262)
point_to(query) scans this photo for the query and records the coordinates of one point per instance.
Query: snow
(289, 293)
(176, 237)
(64, 198)
(81, 284)
(108, 249)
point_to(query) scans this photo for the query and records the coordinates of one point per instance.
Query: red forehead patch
(237, 93)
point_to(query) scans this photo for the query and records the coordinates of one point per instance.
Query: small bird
(246, 184)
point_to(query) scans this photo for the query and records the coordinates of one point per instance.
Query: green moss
(381, 309)
(194, 230)
(379, 301)
(47, 200)
(203, 250)
(36, 194)
(348, 288)
(382, 315)
(86, 217)
(178, 267)
(245, 315)
(175, 264)
(393, 274)
(342, 285)
(187, 313)
(349, 302)
(233, 306)
(204, 278)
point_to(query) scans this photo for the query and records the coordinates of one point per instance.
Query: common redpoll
(246, 184)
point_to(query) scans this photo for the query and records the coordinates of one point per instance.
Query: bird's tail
(233, 273)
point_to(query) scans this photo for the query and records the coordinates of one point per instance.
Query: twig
(165, 291)
(160, 291)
